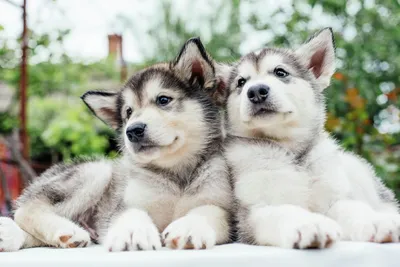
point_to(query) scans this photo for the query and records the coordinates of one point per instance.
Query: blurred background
(53, 51)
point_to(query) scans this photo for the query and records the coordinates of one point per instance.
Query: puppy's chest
(249, 157)
(162, 199)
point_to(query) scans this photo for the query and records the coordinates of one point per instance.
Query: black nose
(135, 132)
(258, 93)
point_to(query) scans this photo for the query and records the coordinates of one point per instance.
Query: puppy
(171, 178)
(295, 186)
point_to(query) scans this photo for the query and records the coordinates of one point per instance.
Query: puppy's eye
(128, 112)
(281, 73)
(241, 82)
(163, 100)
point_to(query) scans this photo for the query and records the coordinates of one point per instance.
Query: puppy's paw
(378, 228)
(133, 235)
(312, 231)
(189, 232)
(71, 237)
(12, 237)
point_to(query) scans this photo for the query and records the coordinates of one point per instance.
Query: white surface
(343, 254)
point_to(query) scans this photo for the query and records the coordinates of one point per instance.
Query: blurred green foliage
(59, 124)
(363, 96)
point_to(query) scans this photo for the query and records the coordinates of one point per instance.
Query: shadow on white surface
(342, 254)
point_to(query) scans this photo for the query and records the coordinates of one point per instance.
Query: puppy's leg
(200, 228)
(62, 193)
(39, 220)
(201, 218)
(272, 210)
(288, 226)
(371, 213)
(13, 238)
(132, 229)
(361, 223)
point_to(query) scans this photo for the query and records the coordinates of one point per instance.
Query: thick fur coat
(295, 186)
(170, 185)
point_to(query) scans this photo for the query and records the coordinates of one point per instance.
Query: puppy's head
(164, 112)
(278, 90)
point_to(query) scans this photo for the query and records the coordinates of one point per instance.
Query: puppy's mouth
(149, 147)
(144, 148)
(264, 112)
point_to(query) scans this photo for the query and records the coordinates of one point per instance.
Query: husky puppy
(171, 179)
(295, 186)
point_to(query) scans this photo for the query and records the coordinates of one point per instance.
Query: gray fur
(163, 190)
(286, 169)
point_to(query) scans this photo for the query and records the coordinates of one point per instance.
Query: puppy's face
(276, 89)
(163, 117)
(164, 113)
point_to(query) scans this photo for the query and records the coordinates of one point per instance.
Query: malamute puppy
(171, 178)
(295, 186)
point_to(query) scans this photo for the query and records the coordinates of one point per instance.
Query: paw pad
(65, 238)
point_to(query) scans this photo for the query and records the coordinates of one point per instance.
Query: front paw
(11, 236)
(378, 228)
(71, 237)
(312, 231)
(189, 232)
(133, 235)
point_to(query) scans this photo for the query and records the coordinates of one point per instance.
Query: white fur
(100, 174)
(133, 230)
(361, 223)
(12, 237)
(295, 169)
(169, 130)
(166, 204)
(180, 181)
(290, 226)
(364, 217)
(294, 102)
(276, 193)
(39, 216)
(197, 229)
(57, 231)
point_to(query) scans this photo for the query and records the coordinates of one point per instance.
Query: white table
(344, 254)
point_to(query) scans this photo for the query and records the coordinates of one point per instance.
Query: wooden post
(123, 67)
(24, 83)
(115, 51)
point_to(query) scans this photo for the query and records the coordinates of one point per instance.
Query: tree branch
(13, 143)
(6, 192)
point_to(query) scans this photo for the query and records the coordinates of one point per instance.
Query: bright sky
(91, 20)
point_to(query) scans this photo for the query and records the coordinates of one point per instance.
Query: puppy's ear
(104, 105)
(318, 53)
(194, 65)
(223, 72)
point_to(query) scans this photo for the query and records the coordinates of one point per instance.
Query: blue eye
(163, 100)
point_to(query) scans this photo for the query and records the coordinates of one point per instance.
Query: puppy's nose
(135, 132)
(258, 93)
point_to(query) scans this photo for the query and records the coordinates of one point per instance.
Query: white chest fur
(158, 200)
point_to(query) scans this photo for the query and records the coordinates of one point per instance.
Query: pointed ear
(223, 73)
(104, 105)
(318, 53)
(194, 65)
